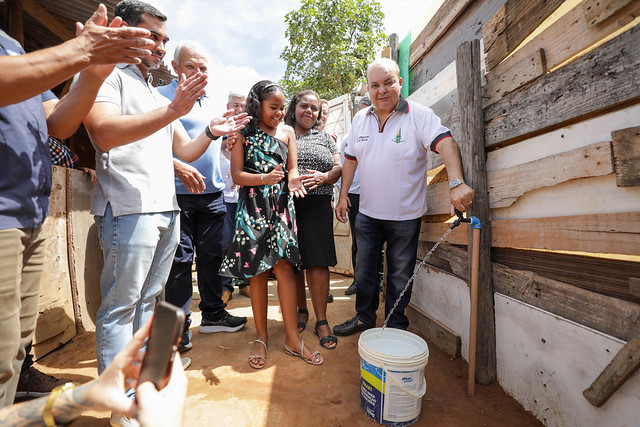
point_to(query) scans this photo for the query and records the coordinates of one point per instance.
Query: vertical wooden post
(469, 81)
(13, 20)
(394, 44)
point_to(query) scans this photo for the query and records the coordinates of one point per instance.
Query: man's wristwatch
(455, 182)
(211, 136)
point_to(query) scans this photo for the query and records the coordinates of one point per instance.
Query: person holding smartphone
(152, 407)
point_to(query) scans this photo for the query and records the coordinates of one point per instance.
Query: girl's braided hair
(257, 94)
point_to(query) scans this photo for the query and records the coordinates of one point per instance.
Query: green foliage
(331, 43)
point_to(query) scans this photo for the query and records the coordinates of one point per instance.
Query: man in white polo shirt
(389, 144)
(135, 130)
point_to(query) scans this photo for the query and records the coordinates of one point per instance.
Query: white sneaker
(186, 362)
(119, 420)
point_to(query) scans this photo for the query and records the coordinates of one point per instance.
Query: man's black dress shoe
(351, 326)
(351, 289)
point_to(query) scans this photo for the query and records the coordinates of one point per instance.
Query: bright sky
(245, 38)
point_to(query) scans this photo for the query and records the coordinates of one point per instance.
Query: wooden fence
(551, 92)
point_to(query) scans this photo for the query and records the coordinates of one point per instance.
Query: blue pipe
(475, 222)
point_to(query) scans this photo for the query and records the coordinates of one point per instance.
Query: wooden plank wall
(56, 323)
(562, 119)
(70, 289)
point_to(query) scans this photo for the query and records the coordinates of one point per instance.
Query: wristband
(211, 136)
(262, 178)
(47, 416)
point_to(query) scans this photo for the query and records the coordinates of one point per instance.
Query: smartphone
(162, 344)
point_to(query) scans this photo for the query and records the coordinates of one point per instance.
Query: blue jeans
(402, 248)
(201, 225)
(227, 235)
(137, 251)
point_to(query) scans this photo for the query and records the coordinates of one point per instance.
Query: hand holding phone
(162, 345)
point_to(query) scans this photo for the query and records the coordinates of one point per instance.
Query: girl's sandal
(325, 341)
(314, 359)
(257, 361)
(302, 325)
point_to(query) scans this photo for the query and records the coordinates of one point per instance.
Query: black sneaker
(185, 342)
(35, 383)
(226, 323)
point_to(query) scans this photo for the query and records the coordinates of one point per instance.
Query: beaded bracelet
(47, 416)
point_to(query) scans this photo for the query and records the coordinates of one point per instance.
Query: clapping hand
(228, 123)
(109, 45)
(296, 187)
(314, 180)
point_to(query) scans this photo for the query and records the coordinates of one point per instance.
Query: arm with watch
(460, 194)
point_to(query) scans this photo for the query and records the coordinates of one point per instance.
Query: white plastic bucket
(392, 375)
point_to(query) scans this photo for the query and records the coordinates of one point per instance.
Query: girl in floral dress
(264, 163)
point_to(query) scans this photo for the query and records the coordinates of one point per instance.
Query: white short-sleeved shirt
(392, 159)
(136, 177)
(355, 184)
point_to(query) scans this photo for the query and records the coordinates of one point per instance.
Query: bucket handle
(417, 396)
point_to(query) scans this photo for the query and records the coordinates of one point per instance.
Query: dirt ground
(224, 390)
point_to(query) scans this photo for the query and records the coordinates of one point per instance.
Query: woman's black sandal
(303, 325)
(326, 339)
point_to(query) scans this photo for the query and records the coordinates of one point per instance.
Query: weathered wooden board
(621, 368)
(437, 26)
(446, 257)
(437, 333)
(469, 72)
(438, 199)
(448, 110)
(506, 185)
(85, 254)
(436, 88)
(616, 233)
(432, 231)
(468, 26)
(55, 324)
(521, 73)
(47, 19)
(342, 239)
(605, 276)
(634, 286)
(439, 176)
(605, 79)
(626, 155)
(13, 20)
(596, 11)
(613, 316)
(513, 23)
(562, 40)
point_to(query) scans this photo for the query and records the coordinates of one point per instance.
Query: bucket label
(399, 405)
(384, 396)
(371, 390)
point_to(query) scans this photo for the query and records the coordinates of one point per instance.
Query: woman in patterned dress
(320, 167)
(264, 163)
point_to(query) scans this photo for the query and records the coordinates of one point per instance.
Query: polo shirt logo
(362, 139)
(398, 138)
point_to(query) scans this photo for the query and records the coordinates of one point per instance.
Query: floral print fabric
(265, 221)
